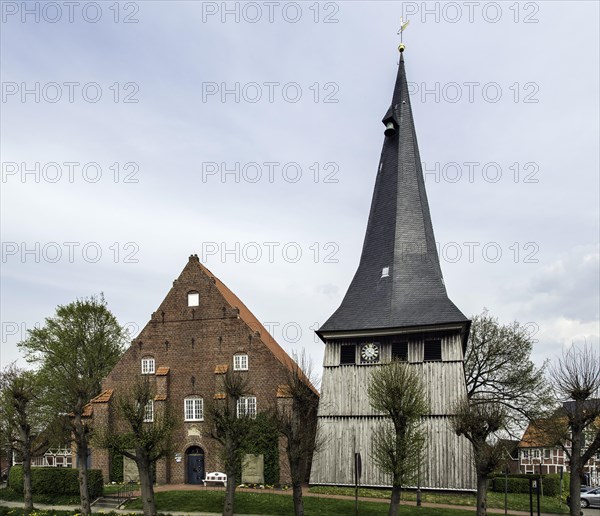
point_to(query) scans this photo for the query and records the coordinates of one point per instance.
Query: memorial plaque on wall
(253, 469)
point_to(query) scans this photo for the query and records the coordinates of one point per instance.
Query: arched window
(148, 365)
(193, 409)
(193, 298)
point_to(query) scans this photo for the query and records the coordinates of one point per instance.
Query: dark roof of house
(399, 237)
(511, 446)
(589, 405)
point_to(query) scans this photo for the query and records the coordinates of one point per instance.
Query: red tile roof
(103, 397)
(162, 371)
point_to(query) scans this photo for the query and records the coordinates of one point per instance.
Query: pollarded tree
(228, 422)
(575, 377)
(296, 419)
(499, 370)
(75, 350)
(148, 438)
(396, 389)
(479, 423)
(23, 418)
(504, 390)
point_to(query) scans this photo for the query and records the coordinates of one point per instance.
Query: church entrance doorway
(195, 465)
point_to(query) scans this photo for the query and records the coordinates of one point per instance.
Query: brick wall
(192, 342)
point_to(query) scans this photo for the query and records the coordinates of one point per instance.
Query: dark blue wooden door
(195, 465)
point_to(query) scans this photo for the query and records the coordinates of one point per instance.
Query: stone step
(109, 502)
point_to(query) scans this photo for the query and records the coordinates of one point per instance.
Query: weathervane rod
(403, 25)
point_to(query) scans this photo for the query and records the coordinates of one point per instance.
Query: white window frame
(193, 298)
(246, 406)
(193, 409)
(240, 362)
(536, 453)
(148, 365)
(149, 412)
(547, 453)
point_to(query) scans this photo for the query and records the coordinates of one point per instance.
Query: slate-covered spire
(399, 281)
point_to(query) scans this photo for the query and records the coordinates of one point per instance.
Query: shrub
(116, 467)
(56, 481)
(519, 483)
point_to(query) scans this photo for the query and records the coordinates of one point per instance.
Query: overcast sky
(138, 133)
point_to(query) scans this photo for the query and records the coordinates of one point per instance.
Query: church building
(199, 332)
(396, 307)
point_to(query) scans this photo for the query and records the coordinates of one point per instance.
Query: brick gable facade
(192, 346)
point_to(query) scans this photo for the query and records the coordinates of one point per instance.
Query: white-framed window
(525, 454)
(193, 299)
(536, 454)
(246, 406)
(547, 453)
(193, 409)
(149, 412)
(148, 365)
(240, 362)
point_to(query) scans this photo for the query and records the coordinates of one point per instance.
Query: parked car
(590, 497)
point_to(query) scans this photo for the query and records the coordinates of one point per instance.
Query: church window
(193, 299)
(240, 362)
(348, 354)
(149, 412)
(148, 365)
(193, 409)
(400, 351)
(246, 406)
(433, 350)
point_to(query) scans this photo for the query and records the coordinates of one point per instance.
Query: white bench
(216, 477)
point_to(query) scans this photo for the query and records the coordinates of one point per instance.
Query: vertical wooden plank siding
(346, 417)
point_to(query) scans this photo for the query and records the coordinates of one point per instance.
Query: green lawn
(517, 502)
(276, 505)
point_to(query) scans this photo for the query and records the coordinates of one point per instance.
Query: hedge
(519, 483)
(56, 481)
(116, 467)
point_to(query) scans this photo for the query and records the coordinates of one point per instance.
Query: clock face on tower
(369, 352)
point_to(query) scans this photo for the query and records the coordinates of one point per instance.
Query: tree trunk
(28, 496)
(482, 485)
(297, 472)
(11, 458)
(229, 494)
(230, 472)
(82, 455)
(576, 470)
(298, 501)
(395, 500)
(147, 488)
